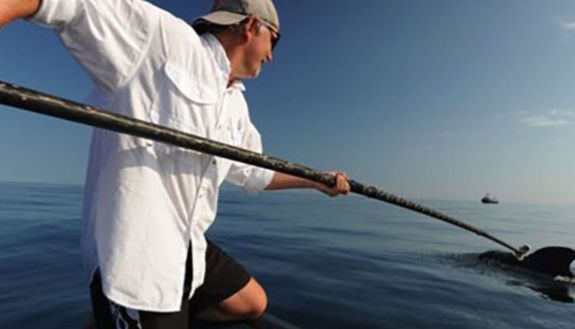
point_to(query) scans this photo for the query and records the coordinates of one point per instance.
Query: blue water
(325, 263)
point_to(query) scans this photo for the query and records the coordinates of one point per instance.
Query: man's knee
(258, 305)
(249, 303)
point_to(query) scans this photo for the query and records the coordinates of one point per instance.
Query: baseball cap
(229, 12)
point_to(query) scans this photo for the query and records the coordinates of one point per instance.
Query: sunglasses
(275, 36)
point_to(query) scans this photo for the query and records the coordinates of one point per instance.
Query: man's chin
(252, 74)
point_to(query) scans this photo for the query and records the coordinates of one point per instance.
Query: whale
(553, 261)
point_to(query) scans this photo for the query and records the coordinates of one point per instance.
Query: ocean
(346, 262)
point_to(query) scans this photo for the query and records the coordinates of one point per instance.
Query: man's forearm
(284, 181)
(11, 10)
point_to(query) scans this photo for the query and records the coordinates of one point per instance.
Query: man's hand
(341, 186)
(11, 10)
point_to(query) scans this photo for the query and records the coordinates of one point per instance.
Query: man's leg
(248, 303)
(228, 293)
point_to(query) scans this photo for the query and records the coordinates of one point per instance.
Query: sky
(427, 99)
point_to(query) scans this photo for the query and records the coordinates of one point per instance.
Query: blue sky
(440, 99)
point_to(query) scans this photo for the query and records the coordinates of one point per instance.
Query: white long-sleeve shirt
(146, 201)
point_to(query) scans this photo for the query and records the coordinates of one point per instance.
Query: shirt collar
(221, 59)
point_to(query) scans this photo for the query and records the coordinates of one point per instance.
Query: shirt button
(214, 162)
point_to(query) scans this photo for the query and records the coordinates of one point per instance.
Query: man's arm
(284, 181)
(109, 38)
(11, 10)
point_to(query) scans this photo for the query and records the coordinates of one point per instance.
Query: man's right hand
(11, 10)
(341, 185)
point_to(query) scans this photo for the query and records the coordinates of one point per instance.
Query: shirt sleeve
(253, 179)
(107, 37)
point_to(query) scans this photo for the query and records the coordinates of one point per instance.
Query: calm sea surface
(325, 263)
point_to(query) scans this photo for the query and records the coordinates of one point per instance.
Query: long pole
(38, 102)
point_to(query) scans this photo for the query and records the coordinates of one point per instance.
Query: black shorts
(224, 277)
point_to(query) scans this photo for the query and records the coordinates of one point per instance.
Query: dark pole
(41, 103)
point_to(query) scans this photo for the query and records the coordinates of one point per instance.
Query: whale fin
(551, 260)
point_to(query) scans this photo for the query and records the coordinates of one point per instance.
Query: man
(148, 205)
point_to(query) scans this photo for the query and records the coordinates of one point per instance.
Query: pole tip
(522, 251)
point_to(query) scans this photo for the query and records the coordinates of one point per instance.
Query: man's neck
(232, 50)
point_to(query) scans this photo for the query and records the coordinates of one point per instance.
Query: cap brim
(219, 18)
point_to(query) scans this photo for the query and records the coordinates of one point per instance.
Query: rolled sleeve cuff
(258, 180)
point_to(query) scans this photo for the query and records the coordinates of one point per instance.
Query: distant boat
(489, 199)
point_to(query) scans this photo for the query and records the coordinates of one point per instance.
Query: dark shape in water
(551, 260)
(554, 261)
(489, 199)
(557, 291)
(538, 271)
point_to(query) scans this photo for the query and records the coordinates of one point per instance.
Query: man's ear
(249, 28)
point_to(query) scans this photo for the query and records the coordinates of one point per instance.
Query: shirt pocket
(182, 102)
(197, 91)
